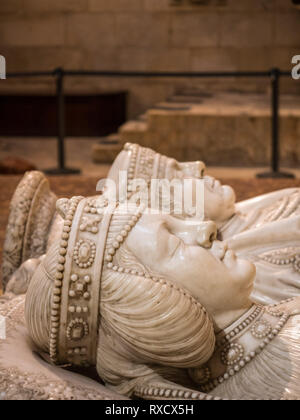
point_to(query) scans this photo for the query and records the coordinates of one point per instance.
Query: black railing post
(60, 96)
(60, 118)
(275, 74)
(275, 130)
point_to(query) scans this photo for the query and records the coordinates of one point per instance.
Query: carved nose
(207, 234)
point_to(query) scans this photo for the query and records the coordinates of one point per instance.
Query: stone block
(201, 136)
(54, 5)
(166, 130)
(105, 152)
(290, 146)
(195, 29)
(42, 58)
(10, 6)
(227, 140)
(115, 5)
(142, 30)
(42, 31)
(103, 58)
(284, 5)
(254, 58)
(135, 127)
(253, 135)
(287, 29)
(281, 57)
(157, 5)
(251, 5)
(144, 94)
(246, 30)
(90, 31)
(143, 59)
(214, 59)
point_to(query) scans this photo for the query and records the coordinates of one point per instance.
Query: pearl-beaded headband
(76, 293)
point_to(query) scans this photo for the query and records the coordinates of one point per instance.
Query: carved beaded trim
(141, 164)
(245, 359)
(154, 392)
(84, 253)
(96, 205)
(241, 327)
(285, 256)
(133, 148)
(261, 329)
(75, 325)
(57, 292)
(200, 375)
(232, 354)
(77, 329)
(275, 309)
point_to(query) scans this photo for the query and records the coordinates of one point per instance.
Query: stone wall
(170, 35)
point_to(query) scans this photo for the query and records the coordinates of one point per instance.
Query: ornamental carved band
(2, 68)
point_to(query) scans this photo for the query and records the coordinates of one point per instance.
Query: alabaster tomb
(156, 317)
(105, 300)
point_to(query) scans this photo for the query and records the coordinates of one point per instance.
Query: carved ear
(62, 206)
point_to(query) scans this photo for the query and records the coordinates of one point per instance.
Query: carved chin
(229, 198)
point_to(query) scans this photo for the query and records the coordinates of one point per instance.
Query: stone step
(228, 128)
(107, 149)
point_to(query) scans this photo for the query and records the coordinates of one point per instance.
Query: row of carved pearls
(57, 291)
(272, 309)
(163, 393)
(116, 245)
(121, 238)
(244, 361)
(277, 261)
(132, 166)
(230, 336)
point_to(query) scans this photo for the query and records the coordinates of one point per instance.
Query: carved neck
(240, 343)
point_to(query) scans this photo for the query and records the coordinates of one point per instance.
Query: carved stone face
(219, 201)
(173, 248)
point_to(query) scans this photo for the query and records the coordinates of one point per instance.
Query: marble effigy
(159, 317)
(147, 300)
(264, 229)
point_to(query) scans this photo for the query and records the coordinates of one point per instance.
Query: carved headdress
(144, 163)
(31, 211)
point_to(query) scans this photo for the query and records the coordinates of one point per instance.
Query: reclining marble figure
(214, 352)
(157, 315)
(264, 229)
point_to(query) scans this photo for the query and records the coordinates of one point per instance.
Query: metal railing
(60, 74)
